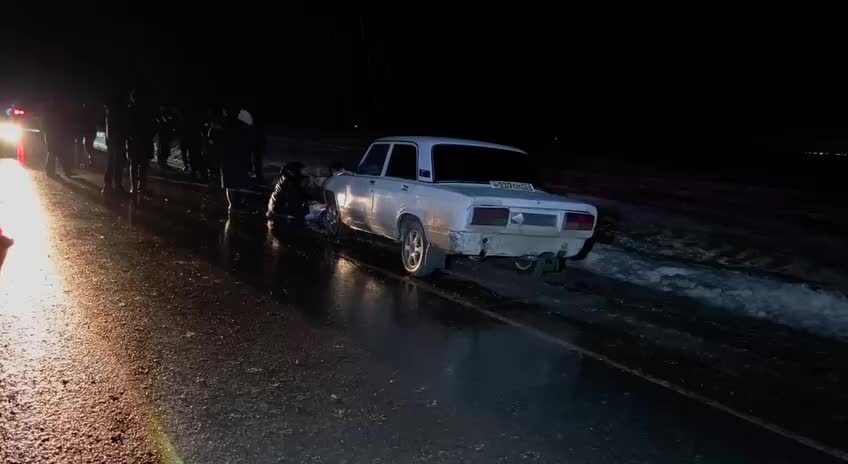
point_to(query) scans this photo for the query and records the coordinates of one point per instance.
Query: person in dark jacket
(116, 143)
(257, 148)
(234, 153)
(139, 140)
(289, 198)
(190, 140)
(58, 137)
(86, 131)
(165, 132)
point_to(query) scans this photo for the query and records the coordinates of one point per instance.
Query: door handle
(405, 188)
(371, 181)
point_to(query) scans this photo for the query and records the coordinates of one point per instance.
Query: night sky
(602, 78)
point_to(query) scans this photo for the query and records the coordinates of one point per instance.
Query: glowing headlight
(10, 133)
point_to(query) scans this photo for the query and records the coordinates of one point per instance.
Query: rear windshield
(468, 163)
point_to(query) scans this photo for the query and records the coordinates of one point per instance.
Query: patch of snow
(800, 305)
(315, 211)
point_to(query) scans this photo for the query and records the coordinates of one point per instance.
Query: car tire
(525, 266)
(335, 227)
(418, 256)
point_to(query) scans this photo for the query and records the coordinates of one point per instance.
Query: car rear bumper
(506, 245)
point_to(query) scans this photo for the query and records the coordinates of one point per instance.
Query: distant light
(18, 112)
(356, 126)
(556, 139)
(10, 133)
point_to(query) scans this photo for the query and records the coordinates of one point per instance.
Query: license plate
(512, 185)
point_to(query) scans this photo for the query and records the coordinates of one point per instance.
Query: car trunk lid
(484, 195)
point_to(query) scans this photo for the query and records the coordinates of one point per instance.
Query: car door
(392, 192)
(361, 187)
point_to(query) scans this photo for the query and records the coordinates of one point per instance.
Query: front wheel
(332, 218)
(419, 258)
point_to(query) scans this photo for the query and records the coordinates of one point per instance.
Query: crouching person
(289, 199)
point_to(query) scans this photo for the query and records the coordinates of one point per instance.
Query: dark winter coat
(289, 197)
(232, 144)
(57, 127)
(140, 131)
(116, 119)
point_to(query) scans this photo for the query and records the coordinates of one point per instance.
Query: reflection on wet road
(246, 343)
(52, 382)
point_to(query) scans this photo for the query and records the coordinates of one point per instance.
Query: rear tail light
(578, 221)
(490, 217)
(18, 112)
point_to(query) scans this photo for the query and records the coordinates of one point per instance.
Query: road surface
(158, 331)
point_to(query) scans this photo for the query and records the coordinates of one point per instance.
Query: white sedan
(440, 196)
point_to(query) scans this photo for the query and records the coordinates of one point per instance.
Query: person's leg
(89, 146)
(66, 159)
(142, 174)
(50, 164)
(163, 150)
(187, 166)
(111, 162)
(257, 156)
(195, 158)
(77, 156)
(133, 157)
(135, 174)
(120, 162)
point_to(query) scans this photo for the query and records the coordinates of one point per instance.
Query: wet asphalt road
(159, 332)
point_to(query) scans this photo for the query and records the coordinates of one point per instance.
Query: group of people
(218, 144)
(68, 130)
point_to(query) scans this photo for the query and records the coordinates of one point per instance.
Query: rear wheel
(537, 267)
(524, 264)
(534, 267)
(419, 258)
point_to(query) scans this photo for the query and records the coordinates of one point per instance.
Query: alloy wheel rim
(413, 250)
(332, 219)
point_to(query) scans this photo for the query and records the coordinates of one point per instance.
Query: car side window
(372, 164)
(403, 162)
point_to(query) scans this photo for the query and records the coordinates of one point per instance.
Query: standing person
(165, 131)
(89, 121)
(85, 129)
(256, 140)
(235, 158)
(116, 143)
(58, 137)
(190, 140)
(213, 129)
(139, 141)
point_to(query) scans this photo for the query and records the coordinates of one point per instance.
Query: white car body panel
(377, 203)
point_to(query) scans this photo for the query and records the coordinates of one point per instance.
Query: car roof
(428, 141)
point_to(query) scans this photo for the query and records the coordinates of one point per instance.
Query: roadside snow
(823, 312)
(316, 210)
